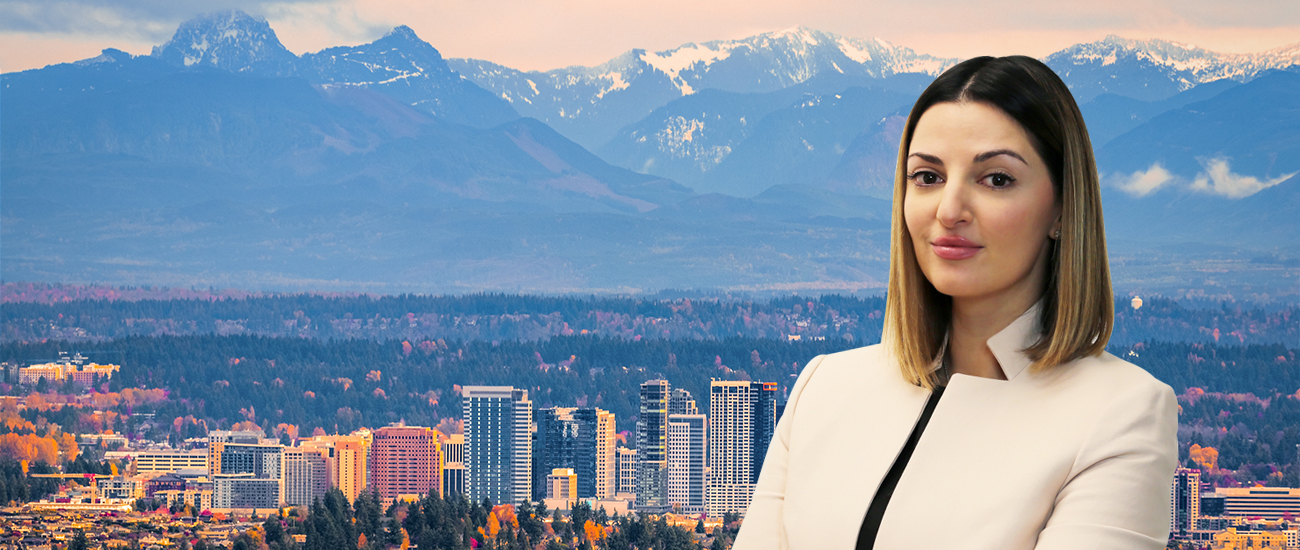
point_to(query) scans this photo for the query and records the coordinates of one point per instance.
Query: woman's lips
(954, 248)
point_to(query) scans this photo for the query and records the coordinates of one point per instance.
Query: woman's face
(979, 203)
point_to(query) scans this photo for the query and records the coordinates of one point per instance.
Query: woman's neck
(974, 321)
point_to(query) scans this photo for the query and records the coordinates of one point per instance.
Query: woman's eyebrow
(926, 157)
(990, 154)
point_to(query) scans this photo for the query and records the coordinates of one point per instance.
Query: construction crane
(91, 477)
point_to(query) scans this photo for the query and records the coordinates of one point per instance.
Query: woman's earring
(1057, 235)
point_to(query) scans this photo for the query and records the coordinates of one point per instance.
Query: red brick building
(405, 460)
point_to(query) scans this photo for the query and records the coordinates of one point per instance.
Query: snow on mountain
(230, 40)
(411, 70)
(399, 64)
(590, 104)
(1156, 69)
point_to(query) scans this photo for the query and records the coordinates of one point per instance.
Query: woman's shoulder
(851, 367)
(1107, 373)
(856, 361)
(1106, 367)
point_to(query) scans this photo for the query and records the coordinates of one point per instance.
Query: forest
(179, 387)
(1238, 389)
(31, 316)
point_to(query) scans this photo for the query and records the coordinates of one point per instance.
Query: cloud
(1218, 179)
(153, 20)
(1143, 182)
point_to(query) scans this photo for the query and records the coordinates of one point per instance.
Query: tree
(79, 542)
(699, 527)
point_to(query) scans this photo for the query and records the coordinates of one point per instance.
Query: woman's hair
(1078, 307)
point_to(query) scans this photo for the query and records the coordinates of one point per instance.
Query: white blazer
(1081, 456)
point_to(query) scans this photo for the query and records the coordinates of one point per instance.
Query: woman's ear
(1055, 232)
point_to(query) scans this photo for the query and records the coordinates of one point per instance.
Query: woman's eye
(924, 177)
(1000, 180)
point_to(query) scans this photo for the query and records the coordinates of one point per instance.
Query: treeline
(348, 384)
(456, 523)
(16, 487)
(501, 317)
(1244, 428)
(213, 382)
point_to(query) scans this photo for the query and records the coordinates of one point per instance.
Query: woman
(990, 416)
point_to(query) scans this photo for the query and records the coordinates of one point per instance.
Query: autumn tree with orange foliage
(1206, 457)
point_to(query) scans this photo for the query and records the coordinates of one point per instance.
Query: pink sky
(545, 34)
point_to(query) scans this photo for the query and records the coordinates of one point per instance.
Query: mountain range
(763, 163)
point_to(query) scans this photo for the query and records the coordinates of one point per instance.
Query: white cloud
(1218, 179)
(1143, 182)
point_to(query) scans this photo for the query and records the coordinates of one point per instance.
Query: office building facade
(306, 475)
(1184, 502)
(256, 467)
(347, 461)
(453, 465)
(652, 447)
(687, 452)
(626, 464)
(498, 443)
(742, 419)
(243, 491)
(405, 460)
(170, 461)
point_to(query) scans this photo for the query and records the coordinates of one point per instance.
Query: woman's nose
(954, 208)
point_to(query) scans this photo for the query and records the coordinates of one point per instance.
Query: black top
(871, 524)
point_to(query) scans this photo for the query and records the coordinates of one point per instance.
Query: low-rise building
(170, 461)
(1263, 502)
(1238, 539)
(562, 483)
(244, 491)
(119, 487)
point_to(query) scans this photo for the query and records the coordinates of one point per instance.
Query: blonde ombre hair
(1078, 306)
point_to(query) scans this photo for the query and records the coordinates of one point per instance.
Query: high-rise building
(652, 447)
(306, 475)
(498, 443)
(765, 417)
(742, 419)
(453, 465)
(682, 402)
(555, 446)
(405, 460)
(217, 440)
(594, 453)
(264, 462)
(578, 438)
(346, 460)
(626, 464)
(1184, 501)
(686, 462)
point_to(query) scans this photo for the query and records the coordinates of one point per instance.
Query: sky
(547, 34)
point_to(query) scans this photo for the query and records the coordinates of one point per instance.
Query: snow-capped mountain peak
(1183, 65)
(230, 40)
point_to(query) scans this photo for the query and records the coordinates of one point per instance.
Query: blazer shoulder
(1107, 370)
(857, 357)
(864, 367)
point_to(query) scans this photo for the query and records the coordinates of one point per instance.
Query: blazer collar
(1008, 344)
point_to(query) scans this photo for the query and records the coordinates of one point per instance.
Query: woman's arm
(1117, 495)
(764, 524)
